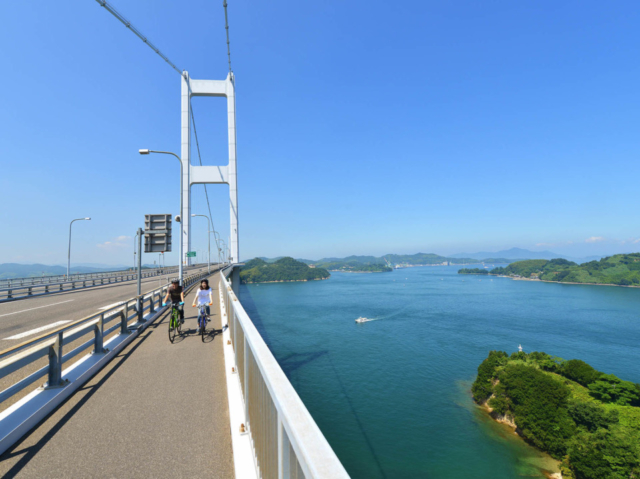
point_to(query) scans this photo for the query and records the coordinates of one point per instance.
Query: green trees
(610, 388)
(285, 269)
(567, 408)
(580, 372)
(355, 267)
(620, 269)
(473, 271)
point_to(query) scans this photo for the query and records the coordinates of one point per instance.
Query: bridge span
(221, 408)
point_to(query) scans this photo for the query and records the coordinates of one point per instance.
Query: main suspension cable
(137, 32)
(226, 27)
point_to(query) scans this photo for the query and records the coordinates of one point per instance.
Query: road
(20, 317)
(24, 319)
(158, 410)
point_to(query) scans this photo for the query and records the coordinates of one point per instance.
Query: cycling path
(158, 410)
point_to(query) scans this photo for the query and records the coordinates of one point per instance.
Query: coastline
(553, 282)
(357, 272)
(284, 281)
(508, 422)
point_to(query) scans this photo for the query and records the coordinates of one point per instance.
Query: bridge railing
(286, 441)
(63, 278)
(52, 343)
(9, 294)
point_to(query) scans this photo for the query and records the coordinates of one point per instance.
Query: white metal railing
(51, 344)
(63, 278)
(286, 441)
(37, 289)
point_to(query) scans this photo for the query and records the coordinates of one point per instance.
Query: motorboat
(362, 319)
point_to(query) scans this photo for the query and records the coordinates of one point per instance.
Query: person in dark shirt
(176, 293)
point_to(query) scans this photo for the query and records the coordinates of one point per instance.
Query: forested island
(354, 267)
(588, 420)
(473, 271)
(619, 269)
(285, 269)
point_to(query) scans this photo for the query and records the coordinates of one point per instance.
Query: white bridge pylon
(192, 175)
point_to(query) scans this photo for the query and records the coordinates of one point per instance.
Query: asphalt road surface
(27, 318)
(158, 410)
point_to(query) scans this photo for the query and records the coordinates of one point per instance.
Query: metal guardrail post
(140, 308)
(124, 327)
(30, 293)
(152, 306)
(9, 295)
(99, 332)
(55, 363)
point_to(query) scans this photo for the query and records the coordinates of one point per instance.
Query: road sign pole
(139, 264)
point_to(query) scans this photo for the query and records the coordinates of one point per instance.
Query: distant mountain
(516, 254)
(513, 253)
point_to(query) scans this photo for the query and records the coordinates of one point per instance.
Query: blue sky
(363, 127)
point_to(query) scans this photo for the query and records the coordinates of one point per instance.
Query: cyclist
(176, 293)
(204, 295)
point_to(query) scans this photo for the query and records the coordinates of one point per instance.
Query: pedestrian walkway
(157, 410)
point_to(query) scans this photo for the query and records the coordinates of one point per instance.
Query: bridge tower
(192, 175)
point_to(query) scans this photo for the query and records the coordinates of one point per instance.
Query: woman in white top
(204, 295)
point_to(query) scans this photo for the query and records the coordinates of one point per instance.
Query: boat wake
(366, 320)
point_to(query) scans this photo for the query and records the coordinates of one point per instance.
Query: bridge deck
(164, 414)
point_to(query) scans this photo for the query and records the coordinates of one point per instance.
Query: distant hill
(512, 254)
(418, 259)
(516, 254)
(285, 269)
(619, 269)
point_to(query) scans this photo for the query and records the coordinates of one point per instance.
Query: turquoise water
(392, 395)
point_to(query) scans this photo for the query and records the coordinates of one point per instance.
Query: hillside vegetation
(587, 419)
(473, 271)
(620, 269)
(355, 267)
(285, 269)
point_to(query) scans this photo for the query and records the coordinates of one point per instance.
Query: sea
(392, 395)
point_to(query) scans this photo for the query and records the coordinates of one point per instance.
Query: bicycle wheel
(203, 326)
(172, 326)
(178, 323)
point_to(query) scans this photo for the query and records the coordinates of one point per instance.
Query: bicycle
(175, 325)
(202, 319)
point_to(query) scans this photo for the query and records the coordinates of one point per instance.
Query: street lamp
(69, 252)
(146, 152)
(208, 238)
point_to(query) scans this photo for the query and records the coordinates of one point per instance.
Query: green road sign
(191, 254)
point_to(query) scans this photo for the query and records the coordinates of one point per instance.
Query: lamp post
(69, 252)
(146, 152)
(208, 239)
(224, 251)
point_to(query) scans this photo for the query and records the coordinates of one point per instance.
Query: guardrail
(286, 441)
(18, 419)
(62, 278)
(20, 292)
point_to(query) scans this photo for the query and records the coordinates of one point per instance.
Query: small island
(473, 271)
(588, 420)
(283, 270)
(616, 270)
(355, 267)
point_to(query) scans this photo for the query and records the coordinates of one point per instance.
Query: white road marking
(120, 303)
(37, 330)
(31, 309)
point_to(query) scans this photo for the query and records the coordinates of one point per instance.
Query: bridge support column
(212, 174)
(185, 156)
